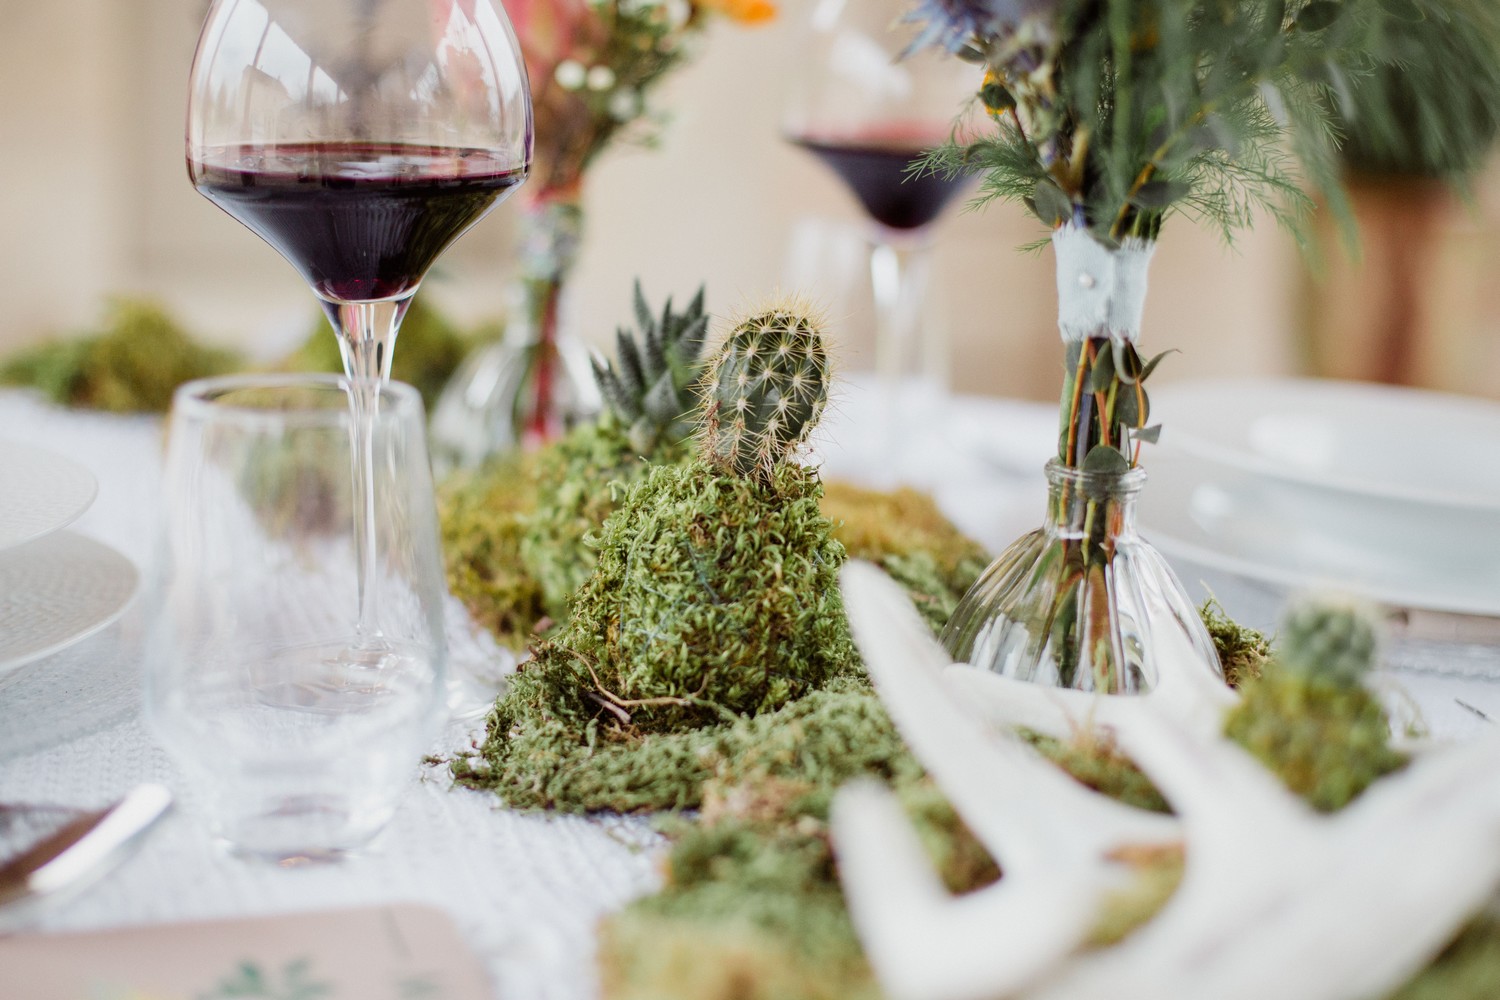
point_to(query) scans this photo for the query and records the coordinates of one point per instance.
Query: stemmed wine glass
(359, 138)
(867, 110)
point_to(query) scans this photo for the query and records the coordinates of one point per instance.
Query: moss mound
(481, 519)
(714, 595)
(132, 364)
(550, 748)
(752, 908)
(1328, 740)
(579, 482)
(904, 533)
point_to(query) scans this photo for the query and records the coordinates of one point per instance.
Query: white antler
(1275, 901)
(1053, 837)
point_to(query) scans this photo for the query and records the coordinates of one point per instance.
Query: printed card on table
(405, 952)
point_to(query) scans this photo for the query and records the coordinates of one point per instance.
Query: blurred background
(97, 203)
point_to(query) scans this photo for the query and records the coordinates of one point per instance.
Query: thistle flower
(955, 24)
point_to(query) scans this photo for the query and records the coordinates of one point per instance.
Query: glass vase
(537, 381)
(1082, 602)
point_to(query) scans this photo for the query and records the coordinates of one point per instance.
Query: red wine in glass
(361, 222)
(877, 169)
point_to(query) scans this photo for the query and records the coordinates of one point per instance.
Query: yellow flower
(743, 11)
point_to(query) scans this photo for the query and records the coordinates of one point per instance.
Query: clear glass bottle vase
(1082, 602)
(537, 381)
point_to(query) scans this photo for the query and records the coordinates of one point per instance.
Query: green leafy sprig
(1113, 115)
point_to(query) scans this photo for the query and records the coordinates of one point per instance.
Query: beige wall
(97, 202)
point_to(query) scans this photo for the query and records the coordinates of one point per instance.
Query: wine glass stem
(367, 335)
(910, 361)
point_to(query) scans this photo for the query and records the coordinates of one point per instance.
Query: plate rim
(1172, 544)
(1249, 461)
(99, 550)
(53, 527)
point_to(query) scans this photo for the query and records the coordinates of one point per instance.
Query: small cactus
(651, 384)
(765, 390)
(1333, 638)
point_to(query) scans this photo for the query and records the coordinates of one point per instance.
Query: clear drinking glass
(296, 734)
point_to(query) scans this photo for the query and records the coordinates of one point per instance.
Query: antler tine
(995, 782)
(926, 944)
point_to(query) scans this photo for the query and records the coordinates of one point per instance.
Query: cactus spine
(1329, 637)
(765, 390)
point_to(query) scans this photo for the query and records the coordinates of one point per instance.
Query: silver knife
(79, 853)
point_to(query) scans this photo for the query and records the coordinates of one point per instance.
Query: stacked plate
(56, 587)
(1385, 493)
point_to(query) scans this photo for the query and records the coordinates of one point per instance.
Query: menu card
(403, 952)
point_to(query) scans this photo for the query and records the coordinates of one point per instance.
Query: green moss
(579, 482)
(132, 364)
(429, 348)
(1242, 651)
(750, 912)
(481, 518)
(549, 746)
(905, 534)
(1095, 761)
(1327, 740)
(714, 596)
(752, 906)
(1468, 969)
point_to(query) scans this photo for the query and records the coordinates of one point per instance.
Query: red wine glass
(359, 138)
(868, 111)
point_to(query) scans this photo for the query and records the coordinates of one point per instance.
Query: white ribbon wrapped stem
(1099, 291)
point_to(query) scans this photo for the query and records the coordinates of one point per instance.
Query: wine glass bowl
(359, 138)
(868, 110)
(296, 734)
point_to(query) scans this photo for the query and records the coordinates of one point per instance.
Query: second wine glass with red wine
(359, 138)
(868, 111)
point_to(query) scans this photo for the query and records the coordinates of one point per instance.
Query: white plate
(56, 590)
(39, 493)
(1383, 443)
(1225, 518)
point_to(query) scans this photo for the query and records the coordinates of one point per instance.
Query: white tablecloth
(526, 890)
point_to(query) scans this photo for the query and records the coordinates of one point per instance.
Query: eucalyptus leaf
(1318, 15)
(1051, 205)
(996, 97)
(1133, 406)
(1103, 458)
(1102, 373)
(1150, 435)
(1160, 194)
(1071, 354)
(1151, 365)
(1127, 409)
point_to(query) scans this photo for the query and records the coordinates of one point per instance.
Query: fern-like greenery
(1113, 115)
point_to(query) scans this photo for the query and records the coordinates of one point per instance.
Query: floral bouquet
(593, 65)
(1108, 118)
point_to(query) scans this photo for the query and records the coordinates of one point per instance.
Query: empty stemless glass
(296, 737)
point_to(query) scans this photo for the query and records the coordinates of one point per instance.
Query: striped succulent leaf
(650, 386)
